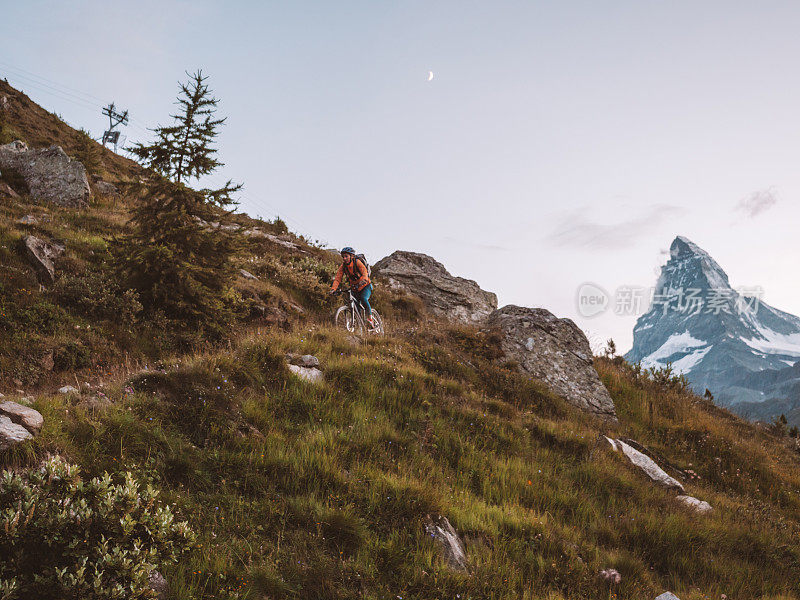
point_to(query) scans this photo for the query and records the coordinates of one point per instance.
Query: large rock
(40, 254)
(555, 351)
(12, 433)
(49, 174)
(29, 418)
(647, 465)
(455, 298)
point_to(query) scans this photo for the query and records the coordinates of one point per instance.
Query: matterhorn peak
(690, 266)
(723, 339)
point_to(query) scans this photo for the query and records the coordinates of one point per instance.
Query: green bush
(71, 356)
(63, 537)
(95, 294)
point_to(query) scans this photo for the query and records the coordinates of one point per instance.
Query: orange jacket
(357, 275)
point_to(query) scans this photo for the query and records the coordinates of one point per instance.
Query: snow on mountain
(721, 338)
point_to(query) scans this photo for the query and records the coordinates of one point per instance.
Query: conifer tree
(87, 152)
(178, 256)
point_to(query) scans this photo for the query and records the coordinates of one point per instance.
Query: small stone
(247, 274)
(611, 575)
(105, 188)
(159, 584)
(311, 375)
(647, 465)
(40, 254)
(27, 220)
(307, 360)
(6, 190)
(11, 433)
(68, 389)
(700, 506)
(440, 529)
(29, 418)
(96, 404)
(667, 596)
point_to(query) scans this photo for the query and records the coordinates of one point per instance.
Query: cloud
(579, 231)
(757, 203)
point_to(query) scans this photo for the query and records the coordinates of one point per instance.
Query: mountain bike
(352, 316)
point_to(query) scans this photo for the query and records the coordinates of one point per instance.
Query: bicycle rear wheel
(378, 321)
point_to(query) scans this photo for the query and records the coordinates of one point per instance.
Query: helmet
(348, 250)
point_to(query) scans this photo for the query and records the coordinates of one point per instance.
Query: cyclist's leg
(363, 297)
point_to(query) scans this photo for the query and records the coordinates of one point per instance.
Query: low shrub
(64, 537)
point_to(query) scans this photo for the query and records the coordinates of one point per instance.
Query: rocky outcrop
(40, 254)
(440, 529)
(555, 351)
(454, 298)
(18, 423)
(49, 174)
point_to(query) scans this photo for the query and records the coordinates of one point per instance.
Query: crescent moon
(430, 75)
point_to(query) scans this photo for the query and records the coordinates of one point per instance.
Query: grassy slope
(320, 492)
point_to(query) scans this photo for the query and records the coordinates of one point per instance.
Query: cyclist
(358, 276)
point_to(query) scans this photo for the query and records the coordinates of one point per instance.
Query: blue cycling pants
(363, 297)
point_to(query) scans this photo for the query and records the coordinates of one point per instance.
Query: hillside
(330, 490)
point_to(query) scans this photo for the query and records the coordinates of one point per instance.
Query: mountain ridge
(721, 338)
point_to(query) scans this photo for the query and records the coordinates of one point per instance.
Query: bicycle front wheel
(346, 320)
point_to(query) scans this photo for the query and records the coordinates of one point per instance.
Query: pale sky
(559, 142)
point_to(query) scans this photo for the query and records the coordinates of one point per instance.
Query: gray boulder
(667, 596)
(68, 389)
(29, 418)
(12, 433)
(454, 298)
(440, 529)
(40, 254)
(555, 351)
(49, 174)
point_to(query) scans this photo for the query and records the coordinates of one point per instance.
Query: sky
(559, 143)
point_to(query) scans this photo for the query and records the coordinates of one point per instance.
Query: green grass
(320, 492)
